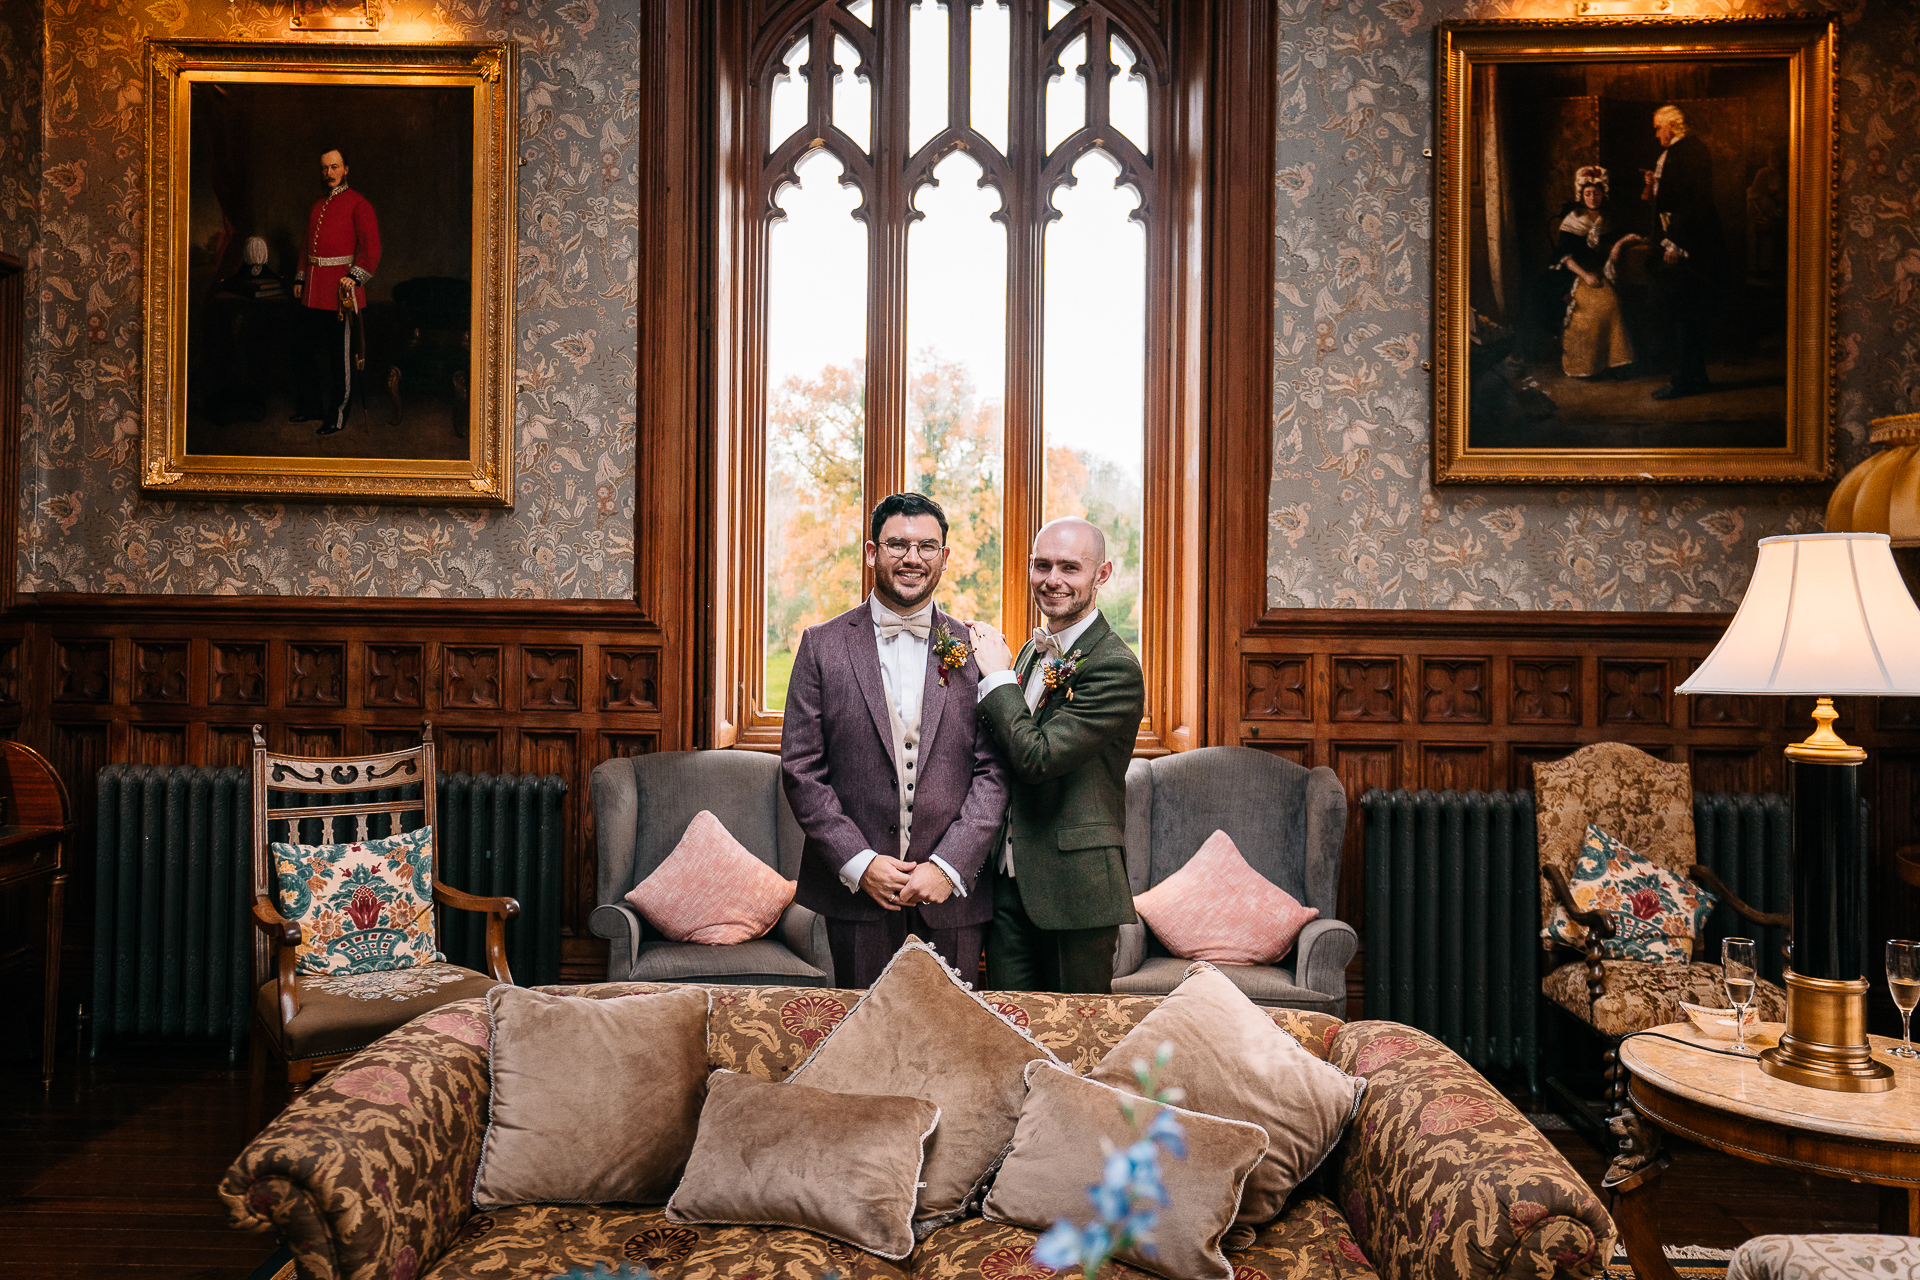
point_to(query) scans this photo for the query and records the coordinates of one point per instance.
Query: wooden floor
(116, 1169)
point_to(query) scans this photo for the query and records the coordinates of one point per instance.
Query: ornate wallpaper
(84, 523)
(1354, 519)
(20, 142)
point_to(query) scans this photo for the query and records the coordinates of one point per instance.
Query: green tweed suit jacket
(1067, 814)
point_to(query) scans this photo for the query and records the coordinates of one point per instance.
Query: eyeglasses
(899, 547)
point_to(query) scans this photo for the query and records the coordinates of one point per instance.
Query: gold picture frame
(1576, 338)
(234, 139)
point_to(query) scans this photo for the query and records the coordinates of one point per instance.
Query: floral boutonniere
(1056, 672)
(951, 652)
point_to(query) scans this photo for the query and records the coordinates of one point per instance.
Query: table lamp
(1825, 614)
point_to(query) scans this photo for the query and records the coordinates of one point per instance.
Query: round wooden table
(1731, 1105)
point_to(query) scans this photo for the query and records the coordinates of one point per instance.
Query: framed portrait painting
(330, 249)
(1633, 252)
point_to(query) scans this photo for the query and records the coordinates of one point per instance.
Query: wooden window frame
(1212, 148)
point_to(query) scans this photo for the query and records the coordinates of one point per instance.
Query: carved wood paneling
(1301, 753)
(157, 744)
(1277, 687)
(472, 676)
(1726, 769)
(1366, 690)
(1633, 692)
(1454, 691)
(312, 740)
(228, 744)
(1895, 715)
(1526, 755)
(1456, 768)
(551, 679)
(160, 671)
(396, 676)
(383, 738)
(9, 673)
(632, 679)
(468, 750)
(237, 674)
(616, 745)
(1360, 766)
(1546, 691)
(82, 671)
(316, 675)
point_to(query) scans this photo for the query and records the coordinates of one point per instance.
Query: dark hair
(907, 504)
(339, 152)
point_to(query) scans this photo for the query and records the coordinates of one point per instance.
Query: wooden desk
(36, 821)
(1731, 1105)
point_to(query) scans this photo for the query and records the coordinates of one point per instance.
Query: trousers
(325, 365)
(861, 948)
(1021, 956)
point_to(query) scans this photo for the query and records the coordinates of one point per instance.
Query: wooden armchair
(1646, 804)
(314, 1023)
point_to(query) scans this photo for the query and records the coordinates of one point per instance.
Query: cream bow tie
(892, 625)
(1045, 642)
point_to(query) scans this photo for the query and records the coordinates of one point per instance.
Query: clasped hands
(895, 884)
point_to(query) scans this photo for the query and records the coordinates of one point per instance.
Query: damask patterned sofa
(367, 1175)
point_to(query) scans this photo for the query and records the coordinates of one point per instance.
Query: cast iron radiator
(1453, 920)
(1453, 908)
(172, 938)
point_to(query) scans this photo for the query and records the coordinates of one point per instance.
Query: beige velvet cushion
(1232, 1062)
(919, 1032)
(593, 1100)
(785, 1155)
(1057, 1155)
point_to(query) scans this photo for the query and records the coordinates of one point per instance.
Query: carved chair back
(321, 800)
(1644, 803)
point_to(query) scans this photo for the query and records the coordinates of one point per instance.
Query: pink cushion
(1219, 909)
(711, 889)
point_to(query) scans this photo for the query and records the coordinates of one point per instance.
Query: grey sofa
(641, 808)
(1289, 824)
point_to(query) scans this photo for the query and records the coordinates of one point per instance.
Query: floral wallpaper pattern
(20, 119)
(1354, 518)
(85, 525)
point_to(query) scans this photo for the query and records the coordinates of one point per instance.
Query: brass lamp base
(1825, 1043)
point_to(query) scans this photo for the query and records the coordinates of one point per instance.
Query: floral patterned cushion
(1635, 996)
(1656, 914)
(1644, 802)
(1826, 1257)
(361, 907)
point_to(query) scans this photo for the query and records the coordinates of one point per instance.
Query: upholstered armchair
(1647, 805)
(641, 808)
(1288, 823)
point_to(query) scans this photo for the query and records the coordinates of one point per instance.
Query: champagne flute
(1903, 979)
(1736, 971)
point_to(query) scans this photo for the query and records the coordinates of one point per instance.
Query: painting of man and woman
(1628, 256)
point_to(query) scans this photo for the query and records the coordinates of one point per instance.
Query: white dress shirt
(1036, 679)
(903, 669)
(1036, 685)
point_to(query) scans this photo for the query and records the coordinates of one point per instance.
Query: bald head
(1068, 567)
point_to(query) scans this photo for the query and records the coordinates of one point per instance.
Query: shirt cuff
(360, 273)
(952, 875)
(854, 868)
(989, 683)
(1671, 247)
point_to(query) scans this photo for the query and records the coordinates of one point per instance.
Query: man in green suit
(1066, 713)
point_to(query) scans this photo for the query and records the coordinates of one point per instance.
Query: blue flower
(1059, 1248)
(1166, 1131)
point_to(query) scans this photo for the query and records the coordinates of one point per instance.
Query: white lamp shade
(1825, 614)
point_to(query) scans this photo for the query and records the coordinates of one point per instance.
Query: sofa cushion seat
(341, 1014)
(761, 962)
(1263, 984)
(547, 1239)
(1309, 1239)
(1636, 995)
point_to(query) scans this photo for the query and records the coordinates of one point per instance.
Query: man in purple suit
(889, 769)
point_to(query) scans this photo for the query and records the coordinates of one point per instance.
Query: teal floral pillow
(1656, 914)
(361, 908)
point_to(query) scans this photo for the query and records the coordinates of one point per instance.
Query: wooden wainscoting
(1472, 701)
(510, 686)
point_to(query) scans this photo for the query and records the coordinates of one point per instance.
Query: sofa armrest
(1320, 958)
(804, 932)
(620, 925)
(369, 1174)
(1131, 950)
(1442, 1179)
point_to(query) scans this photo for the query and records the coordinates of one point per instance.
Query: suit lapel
(1084, 646)
(865, 652)
(933, 694)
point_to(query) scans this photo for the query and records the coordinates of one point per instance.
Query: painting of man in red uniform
(342, 253)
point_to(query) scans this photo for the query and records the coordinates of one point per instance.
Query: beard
(1064, 607)
(912, 593)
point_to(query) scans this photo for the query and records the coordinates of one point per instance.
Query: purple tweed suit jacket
(836, 764)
